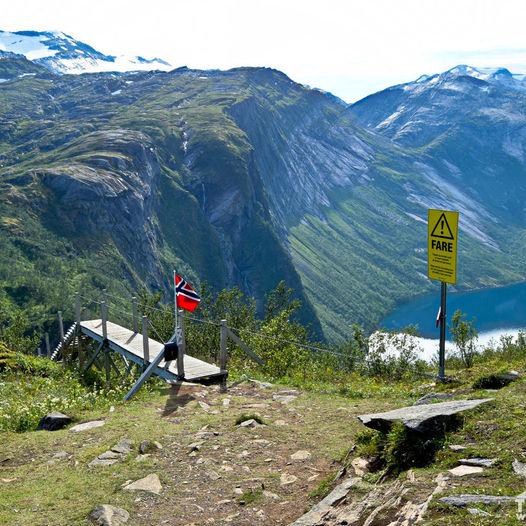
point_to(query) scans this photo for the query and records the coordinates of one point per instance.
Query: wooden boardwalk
(130, 345)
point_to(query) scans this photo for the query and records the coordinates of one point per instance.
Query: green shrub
(492, 381)
(399, 449)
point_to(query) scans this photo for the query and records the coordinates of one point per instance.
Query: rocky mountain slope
(246, 178)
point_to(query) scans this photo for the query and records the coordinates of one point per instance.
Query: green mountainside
(238, 178)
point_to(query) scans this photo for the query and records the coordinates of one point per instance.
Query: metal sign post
(442, 236)
(442, 347)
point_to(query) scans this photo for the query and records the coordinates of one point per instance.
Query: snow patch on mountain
(63, 54)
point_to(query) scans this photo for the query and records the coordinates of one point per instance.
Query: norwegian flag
(187, 298)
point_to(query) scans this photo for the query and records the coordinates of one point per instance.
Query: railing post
(145, 342)
(48, 347)
(104, 314)
(61, 329)
(181, 344)
(105, 296)
(223, 354)
(77, 308)
(222, 347)
(135, 319)
(77, 330)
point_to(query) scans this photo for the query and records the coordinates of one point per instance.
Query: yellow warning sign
(442, 233)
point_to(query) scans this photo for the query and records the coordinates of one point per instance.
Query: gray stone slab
(123, 447)
(87, 425)
(421, 418)
(316, 514)
(460, 501)
(151, 483)
(480, 462)
(462, 471)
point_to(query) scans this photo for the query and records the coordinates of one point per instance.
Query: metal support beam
(250, 352)
(149, 370)
(94, 356)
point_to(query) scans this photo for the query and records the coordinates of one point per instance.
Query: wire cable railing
(309, 347)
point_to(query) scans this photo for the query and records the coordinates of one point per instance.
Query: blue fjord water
(497, 308)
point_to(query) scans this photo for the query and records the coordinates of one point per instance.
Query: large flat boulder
(421, 418)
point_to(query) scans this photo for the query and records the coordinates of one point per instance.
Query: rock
(457, 448)
(151, 483)
(460, 501)
(123, 447)
(147, 447)
(269, 495)
(301, 455)
(60, 454)
(317, 513)
(284, 399)
(280, 423)
(195, 446)
(204, 406)
(87, 425)
(226, 402)
(362, 466)
(262, 385)
(249, 423)
(107, 515)
(108, 455)
(428, 419)
(519, 468)
(480, 462)
(476, 511)
(430, 397)
(103, 462)
(53, 422)
(140, 458)
(287, 479)
(461, 471)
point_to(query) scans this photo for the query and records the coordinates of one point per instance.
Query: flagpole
(175, 307)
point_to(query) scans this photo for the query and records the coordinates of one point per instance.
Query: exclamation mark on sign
(442, 227)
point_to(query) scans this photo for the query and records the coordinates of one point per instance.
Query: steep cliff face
(107, 186)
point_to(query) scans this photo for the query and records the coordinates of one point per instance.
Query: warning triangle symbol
(442, 229)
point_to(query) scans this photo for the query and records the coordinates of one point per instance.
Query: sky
(351, 48)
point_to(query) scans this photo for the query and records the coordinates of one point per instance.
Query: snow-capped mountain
(63, 54)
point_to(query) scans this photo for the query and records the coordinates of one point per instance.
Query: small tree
(465, 337)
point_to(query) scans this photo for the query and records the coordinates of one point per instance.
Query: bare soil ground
(212, 470)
